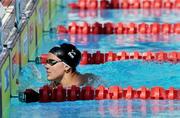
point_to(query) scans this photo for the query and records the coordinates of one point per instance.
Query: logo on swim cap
(72, 54)
(68, 53)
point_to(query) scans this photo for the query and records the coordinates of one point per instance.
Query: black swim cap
(68, 53)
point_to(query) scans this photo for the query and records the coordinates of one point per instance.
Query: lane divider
(100, 58)
(60, 94)
(125, 4)
(120, 28)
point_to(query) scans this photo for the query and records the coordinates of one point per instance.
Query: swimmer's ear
(67, 68)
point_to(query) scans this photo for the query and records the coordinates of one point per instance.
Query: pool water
(135, 73)
(96, 109)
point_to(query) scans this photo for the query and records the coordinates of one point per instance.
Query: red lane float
(86, 58)
(158, 93)
(48, 94)
(173, 93)
(104, 4)
(155, 28)
(115, 92)
(45, 94)
(143, 28)
(177, 4)
(176, 28)
(115, 4)
(59, 93)
(125, 4)
(97, 28)
(87, 93)
(101, 93)
(161, 56)
(143, 93)
(123, 55)
(147, 56)
(41, 59)
(135, 55)
(73, 93)
(29, 95)
(166, 28)
(120, 28)
(129, 93)
(61, 29)
(84, 28)
(110, 56)
(173, 56)
(100, 58)
(97, 58)
(73, 28)
(93, 4)
(108, 28)
(82, 4)
(168, 4)
(132, 28)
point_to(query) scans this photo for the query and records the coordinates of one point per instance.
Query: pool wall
(5, 83)
(20, 47)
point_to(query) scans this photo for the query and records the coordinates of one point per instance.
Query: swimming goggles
(52, 62)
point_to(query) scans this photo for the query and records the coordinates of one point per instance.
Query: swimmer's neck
(71, 78)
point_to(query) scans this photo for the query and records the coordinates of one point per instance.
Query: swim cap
(68, 53)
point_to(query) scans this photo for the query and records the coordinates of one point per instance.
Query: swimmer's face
(55, 68)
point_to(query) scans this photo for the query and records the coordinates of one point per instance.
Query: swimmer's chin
(50, 79)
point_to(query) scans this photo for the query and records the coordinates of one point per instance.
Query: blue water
(130, 15)
(96, 109)
(122, 73)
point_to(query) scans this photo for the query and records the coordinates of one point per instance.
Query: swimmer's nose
(47, 66)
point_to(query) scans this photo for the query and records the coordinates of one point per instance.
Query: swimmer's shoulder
(89, 75)
(90, 79)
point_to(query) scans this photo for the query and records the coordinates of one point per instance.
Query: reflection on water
(122, 42)
(139, 108)
(130, 15)
(124, 37)
(102, 108)
(115, 16)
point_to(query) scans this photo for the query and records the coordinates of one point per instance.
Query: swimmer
(61, 67)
